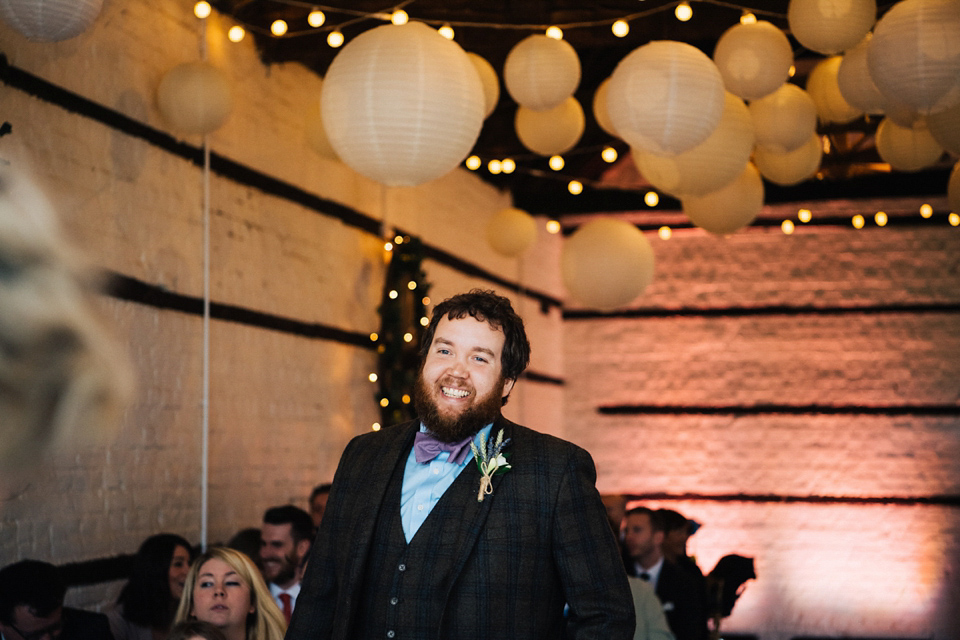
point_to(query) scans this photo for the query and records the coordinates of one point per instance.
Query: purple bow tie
(426, 447)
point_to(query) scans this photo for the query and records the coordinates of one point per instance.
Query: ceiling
(491, 28)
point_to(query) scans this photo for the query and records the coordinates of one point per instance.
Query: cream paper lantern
(490, 82)
(553, 131)
(953, 189)
(600, 108)
(195, 98)
(823, 87)
(914, 56)
(402, 105)
(50, 20)
(541, 72)
(665, 97)
(711, 164)
(907, 148)
(945, 128)
(511, 231)
(730, 208)
(856, 85)
(754, 59)
(830, 26)
(606, 263)
(790, 167)
(785, 119)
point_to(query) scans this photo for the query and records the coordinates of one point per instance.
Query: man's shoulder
(539, 441)
(79, 624)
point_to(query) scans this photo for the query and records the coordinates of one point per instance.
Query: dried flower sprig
(492, 462)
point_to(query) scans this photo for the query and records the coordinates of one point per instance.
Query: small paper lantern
(953, 189)
(50, 20)
(945, 128)
(600, 108)
(195, 97)
(754, 59)
(823, 88)
(490, 82)
(402, 105)
(790, 167)
(541, 72)
(730, 208)
(606, 263)
(665, 97)
(914, 56)
(711, 164)
(785, 119)
(553, 131)
(907, 148)
(511, 231)
(830, 26)
(856, 85)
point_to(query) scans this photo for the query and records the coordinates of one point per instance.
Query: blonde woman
(225, 589)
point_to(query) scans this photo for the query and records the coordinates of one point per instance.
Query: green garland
(401, 311)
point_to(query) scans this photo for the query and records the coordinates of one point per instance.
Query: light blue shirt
(424, 484)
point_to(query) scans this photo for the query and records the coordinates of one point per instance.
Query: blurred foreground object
(63, 379)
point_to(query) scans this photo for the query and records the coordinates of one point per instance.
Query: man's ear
(508, 386)
(303, 548)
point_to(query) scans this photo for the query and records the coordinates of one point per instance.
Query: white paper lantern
(907, 148)
(823, 87)
(945, 128)
(711, 164)
(790, 167)
(50, 20)
(490, 82)
(541, 72)
(511, 231)
(856, 85)
(606, 263)
(953, 189)
(730, 208)
(553, 131)
(754, 59)
(195, 98)
(665, 97)
(830, 26)
(402, 105)
(600, 108)
(914, 56)
(785, 119)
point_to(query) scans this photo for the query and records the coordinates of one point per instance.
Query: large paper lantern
(790, 167)
(945, 128)
(730, 208)
(490, 82)
(50, 20)
(511, 231)
(830, 26)
(402, 105)
(606, 263)
(907, 148)
(665, 97)
(754, 59)
(914, 56)
(195, 97)
(856, 85)
(953, 189)
(600, 112)
(541, 72)
(785, 119)
(553, 131)
(823, 87)
(711, 164)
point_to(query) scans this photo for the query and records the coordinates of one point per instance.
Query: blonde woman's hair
(266, 622)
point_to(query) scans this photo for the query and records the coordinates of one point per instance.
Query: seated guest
(31, 606)
(146, 605)
(225, 588)
(195, 630)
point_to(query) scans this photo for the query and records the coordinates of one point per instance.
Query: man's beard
(286, 571)
(458, 427)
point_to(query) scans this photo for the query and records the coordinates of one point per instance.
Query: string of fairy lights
(316, 21)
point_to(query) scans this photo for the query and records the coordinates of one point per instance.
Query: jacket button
(390, 634)
(402, 567)
(394, 600)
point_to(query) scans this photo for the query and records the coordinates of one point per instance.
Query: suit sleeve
(585, 551)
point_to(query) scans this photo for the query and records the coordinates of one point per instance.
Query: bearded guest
(463, 524)
(284, 543)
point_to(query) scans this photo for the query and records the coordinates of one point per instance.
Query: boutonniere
(491, 461)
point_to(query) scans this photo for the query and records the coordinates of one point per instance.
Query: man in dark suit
(418, 541)
(31, 606)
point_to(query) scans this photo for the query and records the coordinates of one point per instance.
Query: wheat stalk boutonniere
(491, 461)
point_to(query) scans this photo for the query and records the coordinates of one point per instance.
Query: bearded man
(421, 540)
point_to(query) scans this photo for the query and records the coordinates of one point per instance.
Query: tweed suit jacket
(506, 565)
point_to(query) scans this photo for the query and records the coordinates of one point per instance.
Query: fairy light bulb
(473, 163)
(683, 11)
(858, 221)
(665, 232)
(372, 377)
(374, 337)
(412, 285)
(424, 321)
(236, 33)
(316, 18)
(953, 219)
(408, 337)
(494, 166)
(620, 28)
(335, 39)
(384, 402)
(609, 155)
(881, 218)
(393, 294)
(202, 9)
(278, 28)
(575, 187)
(651, 198)
(388, 246)
(399, 17)
(553, 226)
(375, 426)
(926, 210)
(556, 163)
(804, 215)
(787, 226)
(507, 165)
(748, 18)
(446, 31)
(554, 32)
